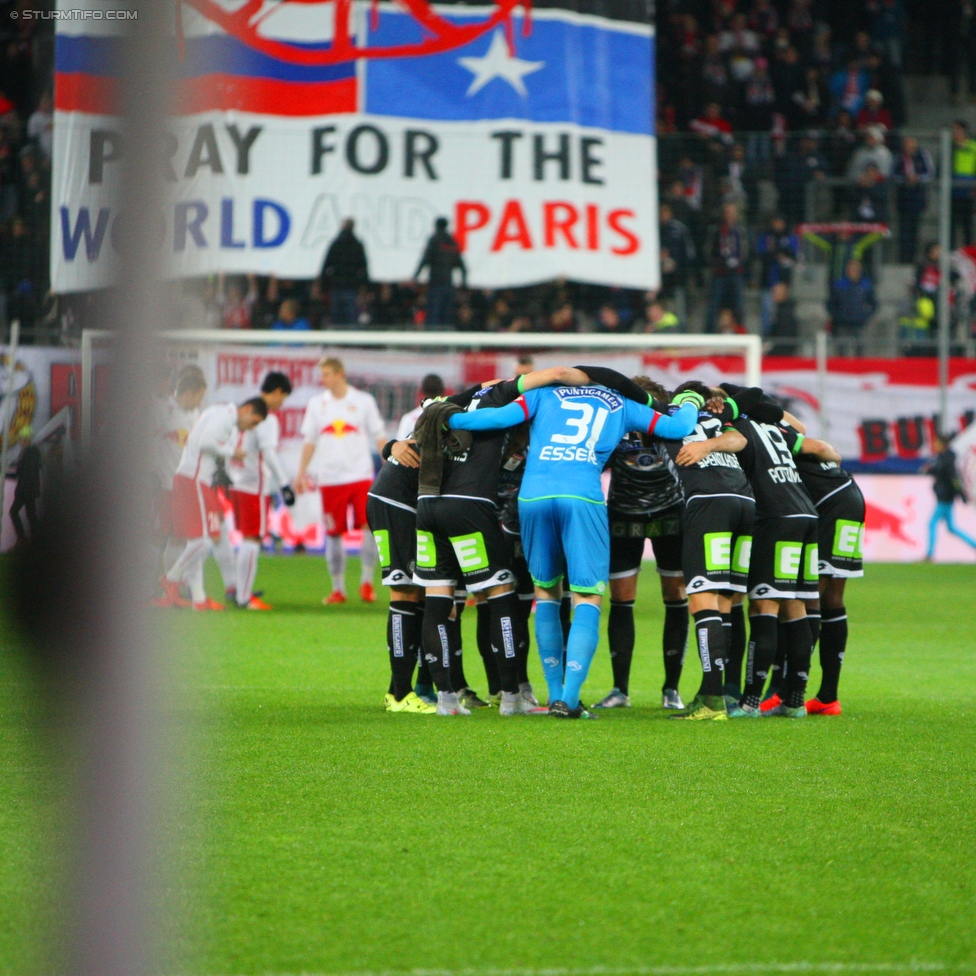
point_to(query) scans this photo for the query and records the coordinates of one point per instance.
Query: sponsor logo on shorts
(382, 537)
(789, 555)
(470, 551)
(426, 550)
(697, 583)
(848, 539)
(718, 551)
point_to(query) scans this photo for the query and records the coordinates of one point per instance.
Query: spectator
(738, 36)
(234, 303)
(609, 319)
(869, 197)
(28, 489)
(809, 104)
(716, 84)
(563, 319)
(728, 253)
(873, 113)
(912, 172)
(729, 324)
(677, 258)
(795, 169)
(343, 272)
(787, 76)
(928, 273)
(758, 104)
(20, 273)
(888, 28)
(963, 183)
(848, 87)
(441, 257)
(784, 326)
(290, 317)
(778, 250)
(659, 319)
(712, 128)
(40, 126)
(851, 304)
(873, 153)
(740, 181)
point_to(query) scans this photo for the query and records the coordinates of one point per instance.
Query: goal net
(391, 365)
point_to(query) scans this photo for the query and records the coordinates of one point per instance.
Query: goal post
(749, 347)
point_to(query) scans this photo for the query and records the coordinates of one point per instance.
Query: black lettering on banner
(104, 146)
(910, 434)
(540, 156)
(321, 148)
(419, 146)
(170, 145)
(382, 150)
(243, 146)
(588, 161)
(205, 141)
(874, 438)
(506, 139)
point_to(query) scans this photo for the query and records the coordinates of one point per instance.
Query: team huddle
(495, 495)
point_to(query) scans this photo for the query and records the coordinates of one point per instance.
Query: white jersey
(261, 472)
(405, 428)
(213, 436)
(171, 428)
(344, 432)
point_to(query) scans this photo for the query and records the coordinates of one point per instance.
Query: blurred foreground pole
(945, 246)
(7, 413)
(106, 635)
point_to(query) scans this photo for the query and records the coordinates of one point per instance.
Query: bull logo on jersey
(339, 428)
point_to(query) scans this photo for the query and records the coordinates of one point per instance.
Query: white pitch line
(915, 966)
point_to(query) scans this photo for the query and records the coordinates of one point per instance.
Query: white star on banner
(499, 63)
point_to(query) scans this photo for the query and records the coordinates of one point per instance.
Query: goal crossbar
(748, 346)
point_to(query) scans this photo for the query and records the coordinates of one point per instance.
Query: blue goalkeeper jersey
(573, 431)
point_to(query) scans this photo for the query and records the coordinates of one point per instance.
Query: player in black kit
(644, 502)
(840, 507)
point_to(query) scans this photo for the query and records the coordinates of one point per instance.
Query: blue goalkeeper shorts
(566, 537)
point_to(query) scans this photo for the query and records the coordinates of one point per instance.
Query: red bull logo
(878, 519)
(339, 428)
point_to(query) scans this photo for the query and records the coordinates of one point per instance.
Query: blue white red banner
(532, 131)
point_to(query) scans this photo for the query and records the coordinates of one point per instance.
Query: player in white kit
(174, 417)
(196, 508)
(254, 478)
(342, 426)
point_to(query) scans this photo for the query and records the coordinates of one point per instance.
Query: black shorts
(784, 559)
(395, 530)
(627, 535)
(716, 542)
(516, 559)
(842, 533)
(459, 541)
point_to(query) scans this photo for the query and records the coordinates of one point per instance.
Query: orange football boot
(366, 593)
(335, 597)
(816, 707)
(209, 604)
(171, 595)
(770, 703)
(256, 603)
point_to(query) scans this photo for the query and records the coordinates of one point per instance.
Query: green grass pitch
(321, 835)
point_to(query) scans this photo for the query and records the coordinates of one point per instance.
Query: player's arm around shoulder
(812, 445)
(491, 418)
(730, 441)
(674, 427)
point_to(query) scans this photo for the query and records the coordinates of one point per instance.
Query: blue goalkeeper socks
(583, 638)
(549, 639)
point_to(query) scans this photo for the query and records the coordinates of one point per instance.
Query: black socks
(402, 638)
(620, 633)
(737, 651)
(762, 651)
(833, 643)
(484, 648)
(675, 641)
(505, 626)
(710, 637)
(437, 639)
(798, 652)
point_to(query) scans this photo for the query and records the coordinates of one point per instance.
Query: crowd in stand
(770, 113)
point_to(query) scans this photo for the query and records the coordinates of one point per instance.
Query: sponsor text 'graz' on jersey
(573, 431)
(641, 480)
(767, 459)
(718, 473)
(344, 431)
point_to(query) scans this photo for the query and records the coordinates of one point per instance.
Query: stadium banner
(532, 133)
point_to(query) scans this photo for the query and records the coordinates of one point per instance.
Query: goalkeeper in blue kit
(565, 533)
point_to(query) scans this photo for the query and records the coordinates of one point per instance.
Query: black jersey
(641, 480)
(767, 459)
(510, 479)
(476, 472)
(397, 484)
(718, 473)
(820, 478)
